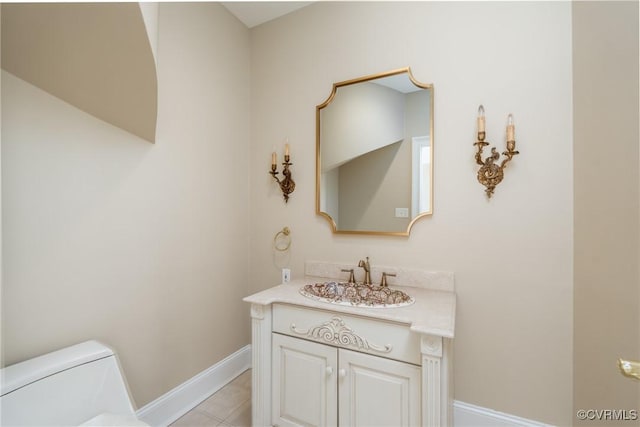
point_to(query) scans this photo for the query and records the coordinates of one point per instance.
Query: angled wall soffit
(96, 56)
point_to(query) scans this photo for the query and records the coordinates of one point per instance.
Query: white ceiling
(253, 13)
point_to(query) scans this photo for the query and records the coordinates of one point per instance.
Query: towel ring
(285, 233)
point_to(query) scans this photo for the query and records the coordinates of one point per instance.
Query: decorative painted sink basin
(357, 294)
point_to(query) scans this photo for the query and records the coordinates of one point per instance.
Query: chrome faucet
(367, 270)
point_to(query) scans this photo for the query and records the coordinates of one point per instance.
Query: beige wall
(372, 186)
(142, 246)
(513, 255)
(606, 222)
(359, 119)
(145, 247)
(95, 56)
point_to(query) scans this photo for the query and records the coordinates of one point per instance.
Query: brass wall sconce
(490, 174)
(287, 185)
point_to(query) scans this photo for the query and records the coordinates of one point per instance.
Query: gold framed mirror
(374, 154)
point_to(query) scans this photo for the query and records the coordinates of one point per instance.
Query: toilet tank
(64, 388)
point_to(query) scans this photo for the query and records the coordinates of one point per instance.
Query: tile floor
(230, 406)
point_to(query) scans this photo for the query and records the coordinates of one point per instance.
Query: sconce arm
(287, 185)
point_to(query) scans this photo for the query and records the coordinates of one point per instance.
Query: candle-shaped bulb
(480, 118)
(274, 159)
(286, 149)
(510, 128)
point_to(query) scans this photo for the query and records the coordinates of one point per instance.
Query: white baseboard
(177, 402)
(467, 415)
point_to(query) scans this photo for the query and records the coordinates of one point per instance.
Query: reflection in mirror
(374, 154)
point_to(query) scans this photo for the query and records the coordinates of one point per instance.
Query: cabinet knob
(329, 371)
(342, 373)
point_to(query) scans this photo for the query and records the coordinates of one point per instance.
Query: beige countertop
(433, 311)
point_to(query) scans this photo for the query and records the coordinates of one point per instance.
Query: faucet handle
(352, 277)
(383, 282)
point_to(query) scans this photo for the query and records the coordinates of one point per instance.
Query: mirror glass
(374, 154)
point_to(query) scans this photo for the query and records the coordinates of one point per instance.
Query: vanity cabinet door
(377, 392)
(304, 391)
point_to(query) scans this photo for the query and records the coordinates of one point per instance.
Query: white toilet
(78, 385)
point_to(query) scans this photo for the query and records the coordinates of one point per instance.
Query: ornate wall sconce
(490, 174)
(287, 185)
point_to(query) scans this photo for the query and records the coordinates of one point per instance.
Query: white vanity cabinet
(323, 364)
(327, 385)
(303, 387)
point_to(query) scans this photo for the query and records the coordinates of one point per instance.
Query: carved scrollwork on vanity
(335, 331)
